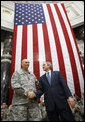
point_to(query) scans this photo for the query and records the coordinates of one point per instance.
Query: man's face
(25, 63)
(45, 67)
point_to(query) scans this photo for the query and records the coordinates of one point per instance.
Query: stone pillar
(5, 69)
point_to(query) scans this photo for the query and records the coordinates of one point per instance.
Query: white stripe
(64, 50)
(41, 48)
(30, 47)
(81, 80)
(18, 48)
(51, 40)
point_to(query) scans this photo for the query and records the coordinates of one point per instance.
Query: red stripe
(12, 63)
(35, 52)
(58, 45)
(46, 43)
(74, 41)
(70, 52)
(24, 43)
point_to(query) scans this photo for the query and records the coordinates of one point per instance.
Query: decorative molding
(5, 60)
(6, 55)
(75, 12)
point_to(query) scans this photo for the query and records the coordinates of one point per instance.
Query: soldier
(43, 109)
(82, 107)
(23, 108)
(78, 111)
(6, 114)
(3, 110)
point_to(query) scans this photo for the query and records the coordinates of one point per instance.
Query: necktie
(49, 78)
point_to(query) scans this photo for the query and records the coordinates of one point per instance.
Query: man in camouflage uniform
(43, 109)
(23, 108)
(6, 113)
(78, 110)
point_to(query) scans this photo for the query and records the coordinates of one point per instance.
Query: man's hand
(71, 102)
(42, 102)
(31, 94)
(77, 109)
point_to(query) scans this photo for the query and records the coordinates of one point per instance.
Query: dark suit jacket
(55, 94)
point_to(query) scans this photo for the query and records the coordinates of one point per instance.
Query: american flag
(42, 32)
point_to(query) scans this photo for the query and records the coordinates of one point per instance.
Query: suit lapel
(52, 77)
(45, 78)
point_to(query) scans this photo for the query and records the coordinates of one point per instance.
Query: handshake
(31, 94)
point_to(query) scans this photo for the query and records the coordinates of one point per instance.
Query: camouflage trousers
(26, 112)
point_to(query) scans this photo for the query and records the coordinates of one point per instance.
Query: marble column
(5, 69)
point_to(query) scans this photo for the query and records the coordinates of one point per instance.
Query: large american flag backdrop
(42, 32)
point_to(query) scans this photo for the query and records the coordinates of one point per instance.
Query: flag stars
(32, 19)
(26, 20)
(16, 23)
(19, 16)
(19, 20)
(29, 14)
(22, 22)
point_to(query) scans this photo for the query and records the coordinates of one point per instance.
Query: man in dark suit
(57, 96)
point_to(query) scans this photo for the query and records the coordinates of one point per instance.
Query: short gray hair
(49, 64)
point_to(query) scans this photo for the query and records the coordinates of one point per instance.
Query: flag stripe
(24, 43)
(30, 47)
(51, 40)
(64, 50)
(14, 50)
(46, 43)
(74, 40)
(35, 52)
(57, 41)
(70, 52)
(41, 46)
(18, 48)
(12, 62)
(74, 47)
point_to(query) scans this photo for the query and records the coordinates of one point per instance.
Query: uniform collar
(25, 71)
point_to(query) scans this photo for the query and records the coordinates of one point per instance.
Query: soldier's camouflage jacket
(22, 82)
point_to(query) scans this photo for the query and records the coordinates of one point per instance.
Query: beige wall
(75, 11)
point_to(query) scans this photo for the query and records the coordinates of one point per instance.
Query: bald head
(25, 64)
(25, 60)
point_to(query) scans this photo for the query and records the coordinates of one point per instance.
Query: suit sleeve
(65, 86)
(39, 92)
